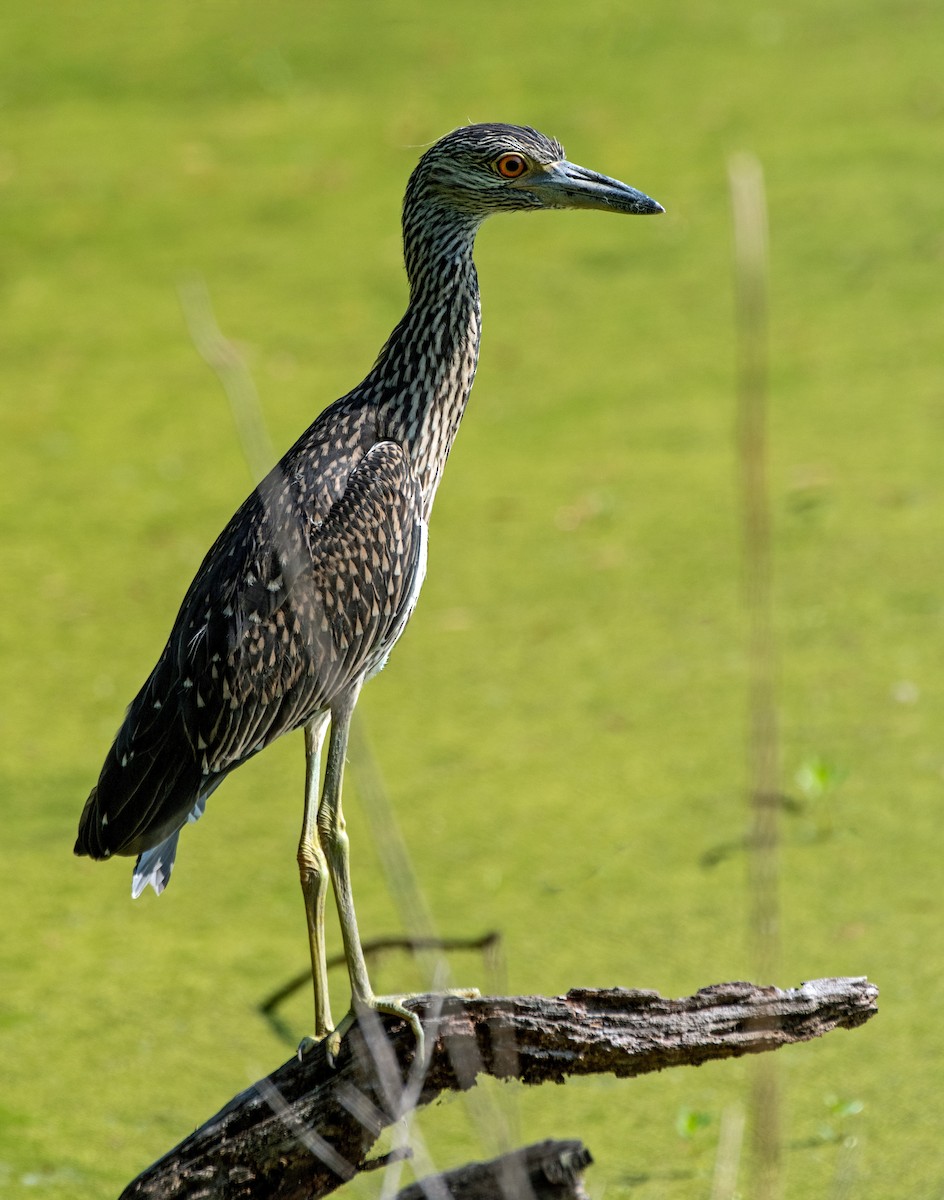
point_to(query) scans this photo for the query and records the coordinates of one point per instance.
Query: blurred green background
(562, 730)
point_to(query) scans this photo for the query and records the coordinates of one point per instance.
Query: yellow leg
(334, 839)
(313, 870)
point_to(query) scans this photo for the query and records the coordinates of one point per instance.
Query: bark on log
(307, 1128)
(548, 1170)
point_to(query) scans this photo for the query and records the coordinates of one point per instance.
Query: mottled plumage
(306, 590)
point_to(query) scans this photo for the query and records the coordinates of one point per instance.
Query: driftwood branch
(548, 1170)
(308, 1128)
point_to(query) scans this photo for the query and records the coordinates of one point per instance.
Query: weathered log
(307, 1128)
(549, 1170)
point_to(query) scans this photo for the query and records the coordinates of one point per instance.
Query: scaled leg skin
(313, 871)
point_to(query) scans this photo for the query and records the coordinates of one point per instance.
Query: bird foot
(392, 1005)
(306, 1045)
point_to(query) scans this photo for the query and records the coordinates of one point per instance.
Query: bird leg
(313, 870)
(334, 839)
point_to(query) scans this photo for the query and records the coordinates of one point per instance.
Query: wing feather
(294, 602)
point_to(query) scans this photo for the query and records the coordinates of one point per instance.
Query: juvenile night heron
(305, 592)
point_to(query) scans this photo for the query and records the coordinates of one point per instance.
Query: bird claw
(378, 1004)
(305, 1046)
(390, 1005)
(333, 1040)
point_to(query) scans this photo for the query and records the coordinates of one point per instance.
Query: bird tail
(154, 866)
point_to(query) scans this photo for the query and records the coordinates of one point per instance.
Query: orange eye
(511, 166)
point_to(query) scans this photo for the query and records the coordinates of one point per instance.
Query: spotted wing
(290, 608)
(314, 618)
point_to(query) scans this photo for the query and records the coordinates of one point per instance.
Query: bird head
(481, 169)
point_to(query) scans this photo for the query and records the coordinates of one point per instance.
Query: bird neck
(426, 369)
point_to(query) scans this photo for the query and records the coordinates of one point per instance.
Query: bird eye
(511, 166)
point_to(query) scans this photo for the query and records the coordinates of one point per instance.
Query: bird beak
(565, 185)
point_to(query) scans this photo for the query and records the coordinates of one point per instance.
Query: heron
(309, 586)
